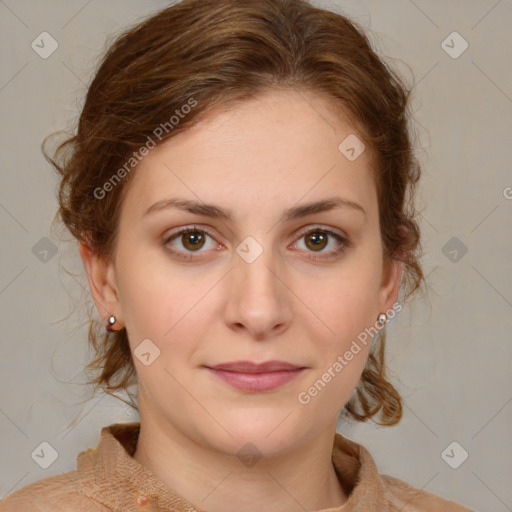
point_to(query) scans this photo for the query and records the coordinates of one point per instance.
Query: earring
(111, 322)
(382, 319)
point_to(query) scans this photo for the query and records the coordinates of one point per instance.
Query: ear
(390, 285)
(102, 283)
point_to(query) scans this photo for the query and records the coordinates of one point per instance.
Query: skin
(256, 159)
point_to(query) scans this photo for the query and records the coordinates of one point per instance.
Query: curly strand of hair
(112, 369)
(374, 393)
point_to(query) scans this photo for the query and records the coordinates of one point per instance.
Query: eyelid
(185, 229)
(320, 227)
(307, 229)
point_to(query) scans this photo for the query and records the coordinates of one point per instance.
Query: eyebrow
(216, 212)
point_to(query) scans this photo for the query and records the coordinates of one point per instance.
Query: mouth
(254, 377)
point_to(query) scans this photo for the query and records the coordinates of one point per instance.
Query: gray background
(450, 351)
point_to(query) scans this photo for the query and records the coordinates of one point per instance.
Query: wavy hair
(220, 52)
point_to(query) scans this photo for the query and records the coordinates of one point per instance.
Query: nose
(259, 301)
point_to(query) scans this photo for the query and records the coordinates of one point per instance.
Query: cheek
(341, 344)
(346, 304)
(147, 298)
(161, 302)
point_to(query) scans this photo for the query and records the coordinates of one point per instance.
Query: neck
(302, 479)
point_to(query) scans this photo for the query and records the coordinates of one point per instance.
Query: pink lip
(249, 376)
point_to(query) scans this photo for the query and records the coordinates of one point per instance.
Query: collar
(110, 475)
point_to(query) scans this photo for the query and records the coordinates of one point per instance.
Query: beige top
(108, 478)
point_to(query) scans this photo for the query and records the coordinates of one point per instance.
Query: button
(141, 499)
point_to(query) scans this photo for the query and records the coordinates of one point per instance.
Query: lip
(254, 377)
(250, 367)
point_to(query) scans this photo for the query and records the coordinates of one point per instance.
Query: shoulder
(59, 493)
(406, 498)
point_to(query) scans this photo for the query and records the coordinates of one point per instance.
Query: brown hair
(211, 53)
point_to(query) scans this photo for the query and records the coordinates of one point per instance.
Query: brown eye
(316, 240)
(193, 240)
(189, 240)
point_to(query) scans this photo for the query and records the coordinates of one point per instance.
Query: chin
(270, 431)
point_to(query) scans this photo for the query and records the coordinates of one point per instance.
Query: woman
(241, 188)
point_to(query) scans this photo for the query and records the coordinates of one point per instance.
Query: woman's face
(251, 287)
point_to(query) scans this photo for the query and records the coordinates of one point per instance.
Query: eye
(317, 238)
(192, 239)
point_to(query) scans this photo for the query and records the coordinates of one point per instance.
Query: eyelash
(190, 255)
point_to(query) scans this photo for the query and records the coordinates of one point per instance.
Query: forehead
(278, 147)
